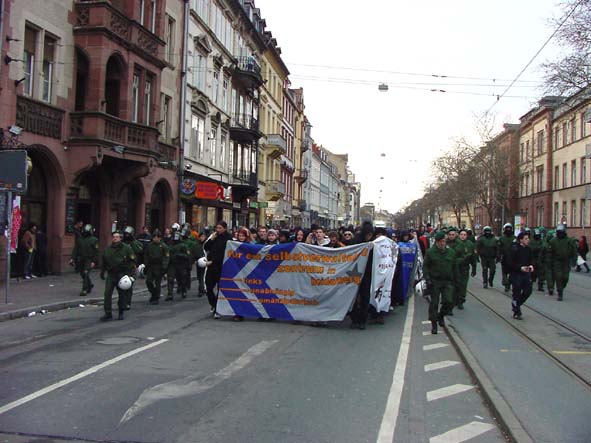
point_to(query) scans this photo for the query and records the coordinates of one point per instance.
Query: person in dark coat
(40, 260)
(360, 310)
(215, 246)
(520, 262)
(583, 250)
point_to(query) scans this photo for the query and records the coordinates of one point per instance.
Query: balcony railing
(286, 163)
(248, 64)
(38, 117)
(101, 126)
(245, 178)
(101, 15)
(276, 187)
(248, 71)
(277, 140)
(244, 121)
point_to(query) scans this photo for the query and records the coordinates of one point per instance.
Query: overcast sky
(486, 42)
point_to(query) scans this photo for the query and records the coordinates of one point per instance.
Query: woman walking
(583, 250)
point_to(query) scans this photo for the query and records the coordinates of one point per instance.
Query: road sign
(13, 171)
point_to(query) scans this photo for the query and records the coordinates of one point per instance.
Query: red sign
(209, 191)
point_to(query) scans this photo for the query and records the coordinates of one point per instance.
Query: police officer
(180, 261)
(460, 251)
(118, 261)
(138, 250)
(487, 248)
(536, 244)
(562, 251)
(505, 245)
(548, 262)
(85, 256)
(439, 269)
(156, 257)
(196, 253)
(190, 241)
(464, 267)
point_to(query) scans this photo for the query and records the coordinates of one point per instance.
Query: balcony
(305, 144)
(244, 178)
(98, 127)
(303, 205)
(99, 16)
(275, 190)
(247, 72)
(276, 146)
(38, 117)
(286, 163)
(244, 128)
(302, 176)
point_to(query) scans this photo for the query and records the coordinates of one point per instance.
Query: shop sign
(263, 204)
(236, 205)
(188, 186)
(254, 205)
(209, 191)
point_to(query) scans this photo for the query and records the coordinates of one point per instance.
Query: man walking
(29, 242)
(215, 247)
(85, 254)
(487, 248)
(156, 257)
(536, 245)
(138, 251)
(562, 251)
(180, 262)
(505, 245)
(520, 263)
(439, 269)
(464, 268)
(118, 261)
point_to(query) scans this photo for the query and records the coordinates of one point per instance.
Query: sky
(339, 51)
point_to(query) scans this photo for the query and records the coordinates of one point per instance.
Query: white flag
(385, 253)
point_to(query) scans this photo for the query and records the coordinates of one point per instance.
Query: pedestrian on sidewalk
(520, 261)
(40, 259)
(118, 261)
(29, 241)
(215, 246)
(156, 257)
(487, 248)
(583, 250)
(562, 251)
(85, 254)
(440, 271)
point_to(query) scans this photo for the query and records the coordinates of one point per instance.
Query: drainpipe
(181, 166)
(1, 27)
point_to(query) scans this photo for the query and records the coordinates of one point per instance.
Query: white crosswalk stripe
(426, 322)
(447, 391)
(440, 365)
(462, 433)
(434, 346)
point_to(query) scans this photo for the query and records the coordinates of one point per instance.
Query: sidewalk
(53, 293)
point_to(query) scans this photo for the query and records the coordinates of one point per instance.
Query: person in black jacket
(360, 310)
(215, 247)
(520, 263)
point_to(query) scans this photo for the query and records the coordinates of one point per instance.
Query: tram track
(562, 362)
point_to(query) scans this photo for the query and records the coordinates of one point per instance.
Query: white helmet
(175, 226)
(125, 282)
(141, 269)
(202, 262)
(420, 288)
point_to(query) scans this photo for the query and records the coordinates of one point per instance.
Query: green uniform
(118, 260)
(196, 253)
(191, 244)
(505, 246)
(156, 258)
(180, 265)
(487, 248)
(460, 249)
(561, 251)
(85, 252)
(537, 252)
(439, 269)
(548, 264)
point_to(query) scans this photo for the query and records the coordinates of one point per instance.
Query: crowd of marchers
(526, 257)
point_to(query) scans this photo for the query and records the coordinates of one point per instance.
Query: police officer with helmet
(138, 250)
(488, 250)
(85, 256)
(118, 265)
(156, 256)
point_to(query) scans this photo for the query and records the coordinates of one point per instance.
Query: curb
(505, 416)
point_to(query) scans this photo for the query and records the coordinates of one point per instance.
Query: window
(527, 184)
(556, 217)
(540, 216)
(556, 177)
(148, 101)
(225, 94)
(223, 150)
(583, 213)
(563, 210)
(521, 147)
(202, 10)
(564, 134)
(583, 170)
(199, 71)
(573, 173)
(564, 175)
(142, 11)
(166, 109)
(216, 87)
(213, 147)
(153, 16)
(573, 213)
(540, 142)
(233, 103)
(539, 179)
(197, 135)
(556, 137)
(527, 150)
(135, 98)
(169, 39)
(583, 126)
(49, 45)
(29, 60)
(573, 129)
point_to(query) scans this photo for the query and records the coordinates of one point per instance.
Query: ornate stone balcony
(244, 128)
(248, 72)
(99, 127)
(99, 16)
(276, 145)
(275, 190)
(39, 117)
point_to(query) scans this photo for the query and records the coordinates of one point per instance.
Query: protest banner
(385, 253)
(407, 254)
(290, 281)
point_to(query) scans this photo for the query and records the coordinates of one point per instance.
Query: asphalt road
(170, 373)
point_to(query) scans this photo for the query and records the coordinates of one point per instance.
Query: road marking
(434, 346)
(425, 322)
(440, 365)
(425, 333)
(193, 385)
(572, 352)
(78, 376)
(447, 391)
(388, 425)
(462, 433)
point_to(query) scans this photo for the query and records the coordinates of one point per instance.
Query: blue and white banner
(407, 253)
(385, 253)
(290, 281)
